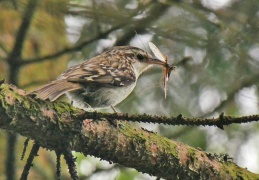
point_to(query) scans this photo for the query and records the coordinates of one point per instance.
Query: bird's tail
(55, 89)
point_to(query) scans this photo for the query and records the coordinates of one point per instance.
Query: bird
(102, 81)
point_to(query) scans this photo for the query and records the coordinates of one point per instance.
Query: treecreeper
(102, 81)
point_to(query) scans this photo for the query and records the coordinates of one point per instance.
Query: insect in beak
(162, 60)
(167, 69)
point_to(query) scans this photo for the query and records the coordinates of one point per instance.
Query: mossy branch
(58, 126)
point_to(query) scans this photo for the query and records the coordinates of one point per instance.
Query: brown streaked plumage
(102, 81)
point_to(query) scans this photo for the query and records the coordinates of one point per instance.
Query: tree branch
(139, 25)
(243, 83)
(75, 48)
(60, 126)
(13, 58)
(24, 27)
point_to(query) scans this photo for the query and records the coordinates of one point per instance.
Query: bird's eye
(140, 57)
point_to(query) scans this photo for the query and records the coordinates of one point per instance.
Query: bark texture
(58, 126)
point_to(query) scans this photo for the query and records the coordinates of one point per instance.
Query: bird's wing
(109, 71)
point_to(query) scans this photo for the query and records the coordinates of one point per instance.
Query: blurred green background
(40, 39)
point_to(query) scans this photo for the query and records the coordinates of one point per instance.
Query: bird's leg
(114, 110)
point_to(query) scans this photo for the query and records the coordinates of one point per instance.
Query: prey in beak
(162, 60)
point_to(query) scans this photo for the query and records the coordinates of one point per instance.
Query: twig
(230, 95)
(25, 145)
(58, 168)
(28, 165)
(70, 160)
(69, 49)
(10, 157)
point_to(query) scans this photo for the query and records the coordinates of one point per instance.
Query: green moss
(232, 168)
(167, 144)
(27, 104)
(192, 151)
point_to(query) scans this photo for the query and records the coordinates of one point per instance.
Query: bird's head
(140, 59)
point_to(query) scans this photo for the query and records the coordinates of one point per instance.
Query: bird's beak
(157, 61)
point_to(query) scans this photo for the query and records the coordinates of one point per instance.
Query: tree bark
(58, 126)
